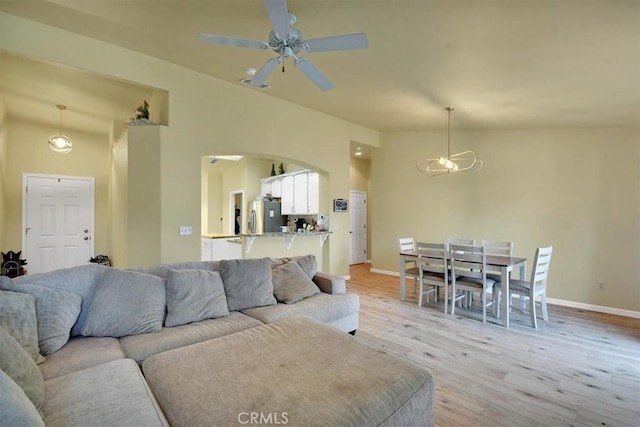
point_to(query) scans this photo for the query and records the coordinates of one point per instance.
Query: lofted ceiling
(500, 63)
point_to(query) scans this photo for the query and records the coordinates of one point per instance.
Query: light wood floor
(579, 369)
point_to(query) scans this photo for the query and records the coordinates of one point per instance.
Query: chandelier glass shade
(60, 143)
(453, 163)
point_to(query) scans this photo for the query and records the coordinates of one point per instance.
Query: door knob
(86, 237)
(86, 231)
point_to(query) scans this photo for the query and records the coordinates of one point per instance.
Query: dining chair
(469, 274)
(466, 242)
(433, 271)
(536, 286)
(497, 248)
(408, 244)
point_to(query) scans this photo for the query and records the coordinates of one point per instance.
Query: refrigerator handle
(252, 222)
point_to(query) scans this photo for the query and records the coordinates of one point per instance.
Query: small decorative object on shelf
(281, 169)
(101, 259)
(12, 265)
(273, 169)
(141, 116)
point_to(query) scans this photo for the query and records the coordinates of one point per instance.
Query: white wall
(3, 166)
(575, 189)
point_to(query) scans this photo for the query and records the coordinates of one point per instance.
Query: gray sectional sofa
(197, 343)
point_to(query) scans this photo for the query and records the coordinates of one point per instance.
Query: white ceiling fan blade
(264, 73)
(279, 16)
(313, 74)
(344, 42)
(231, 41)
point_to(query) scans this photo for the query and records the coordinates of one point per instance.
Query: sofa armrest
(330, 284)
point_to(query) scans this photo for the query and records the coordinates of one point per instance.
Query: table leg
(504, 295)
(402, 277)
(523, 273)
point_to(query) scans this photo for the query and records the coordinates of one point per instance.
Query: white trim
(347, 277)
(92, 182)
(561, 302)
(367, 261)
(387, 272)
(593, 307)
(232, 211)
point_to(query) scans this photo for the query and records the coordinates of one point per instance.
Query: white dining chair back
(463, 242)
(433, 271)
(408, 244)
(536, 286)
(469, 274)
(498, 248)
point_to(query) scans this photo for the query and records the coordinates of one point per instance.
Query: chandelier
(459, 162)
(60, 143)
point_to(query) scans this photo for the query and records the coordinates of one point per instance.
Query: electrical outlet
(186, 230)
(601, 286)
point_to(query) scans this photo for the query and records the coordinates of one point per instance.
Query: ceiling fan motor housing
(292, 41)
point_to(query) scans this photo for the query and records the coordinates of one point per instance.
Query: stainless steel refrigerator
(265, 217)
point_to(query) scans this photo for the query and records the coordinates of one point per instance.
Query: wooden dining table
(505, 265)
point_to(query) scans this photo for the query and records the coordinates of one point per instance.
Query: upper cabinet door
(313, 193)
(287, 195)
(265, 188)
(300, 202)
(276, 188)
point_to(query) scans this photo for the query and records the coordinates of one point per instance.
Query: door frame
(366, 225)
(92, 196)
(232, 211)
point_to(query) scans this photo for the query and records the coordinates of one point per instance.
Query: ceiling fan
(287, 42)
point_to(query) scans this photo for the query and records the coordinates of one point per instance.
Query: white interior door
(58, 222)
(358, 227)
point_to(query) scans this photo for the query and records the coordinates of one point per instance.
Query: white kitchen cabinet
(205, 250)
(313, 193)
(276, 187)
(217, 249)
(300, 190)
(287, 195)
(265, 187)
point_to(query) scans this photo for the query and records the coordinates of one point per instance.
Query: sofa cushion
(81, 280)
(139, 347)
(300, 369)
(111, 394)
(194, 295)
(80, 353)
(16, 409)
(247, 283)
(18, 317)
(17, 364)
(291, 284)
(57, 311)
(322, 307)
(308, 263)
(162, 270)
(126, 303)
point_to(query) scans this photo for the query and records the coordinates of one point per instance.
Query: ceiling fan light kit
(288, 42)
(60, 143)
(453, 163)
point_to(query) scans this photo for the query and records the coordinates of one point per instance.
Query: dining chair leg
(495, 298)
(532, 308)
(446, 297)
(484, 307)
(420, 296)
(543, 304)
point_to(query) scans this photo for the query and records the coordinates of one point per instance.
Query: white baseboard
(387, 272)
(347, 277)
(367, 261)
(593, 307)
(555, 301)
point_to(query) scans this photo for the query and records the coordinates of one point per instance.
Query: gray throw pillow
(56, 310)
(194, 295)
(21, 368)
(309, 265)
(18, 317)
(247, 283)
(291, 284)
(81, 280)
(126, 303)
(16, 408)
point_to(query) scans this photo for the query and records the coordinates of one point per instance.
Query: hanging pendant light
(460, 162)
(60, 143)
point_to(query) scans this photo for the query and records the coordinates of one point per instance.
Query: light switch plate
(186, 230)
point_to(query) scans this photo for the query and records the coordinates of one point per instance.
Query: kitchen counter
(219, 236)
